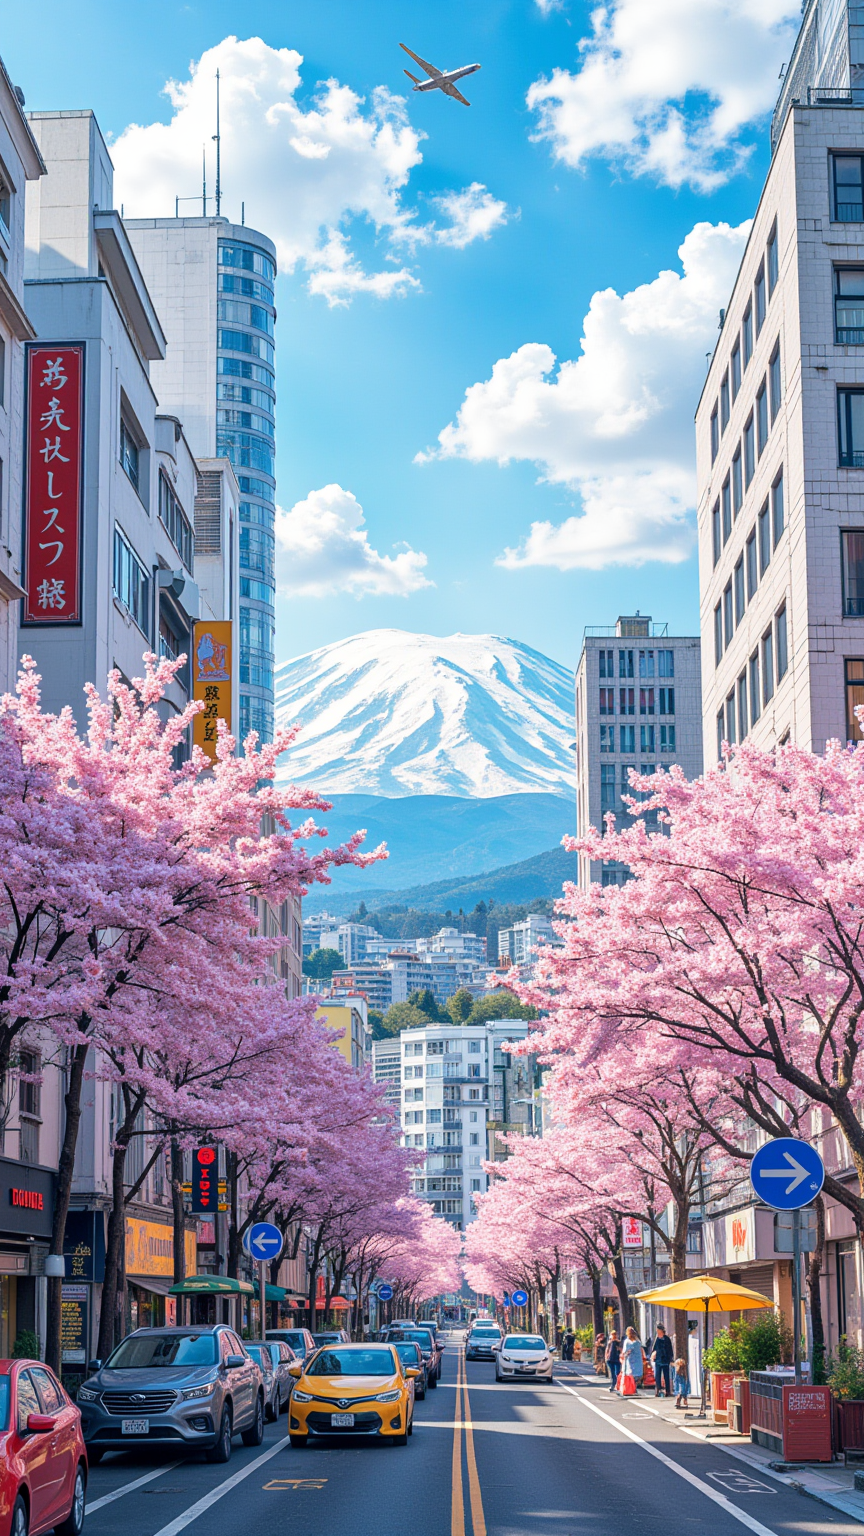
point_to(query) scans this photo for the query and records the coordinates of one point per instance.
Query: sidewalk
(831, 1483)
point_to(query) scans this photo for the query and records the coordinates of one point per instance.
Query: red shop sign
(55, 477)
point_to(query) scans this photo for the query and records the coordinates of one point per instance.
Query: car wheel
(271, 1413)
(410, 1431)
(221, 1451)
(255, 1435)
(20, 1523)
(73, 1525)
(299, 1442)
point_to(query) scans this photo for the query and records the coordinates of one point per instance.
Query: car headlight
(301, 1397)
(388, 1397)
(87, 1395)
(191, 1392)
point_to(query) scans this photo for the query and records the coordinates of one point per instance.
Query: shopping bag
(628, 1386)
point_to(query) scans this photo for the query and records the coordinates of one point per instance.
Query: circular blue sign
(263, 1241)
(520, 1298)
(385, 1292)
(787, 1174)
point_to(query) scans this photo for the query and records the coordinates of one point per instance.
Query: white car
(523, 1354)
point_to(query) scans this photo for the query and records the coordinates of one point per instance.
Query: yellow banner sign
(211, 681)
(150, 1248)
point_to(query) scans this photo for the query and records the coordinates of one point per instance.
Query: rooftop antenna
(242, 213)
(217, 139)
(204, 178)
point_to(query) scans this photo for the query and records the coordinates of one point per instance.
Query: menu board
(74, 1317)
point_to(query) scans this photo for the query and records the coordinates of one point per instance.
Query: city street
(485, 1460)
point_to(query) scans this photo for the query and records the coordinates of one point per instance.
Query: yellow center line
(478, 1520)
(457, 1515)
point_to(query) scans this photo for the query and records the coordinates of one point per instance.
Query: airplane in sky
(439, 79)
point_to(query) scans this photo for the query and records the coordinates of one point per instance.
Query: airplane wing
(429, 68)
(451, 90)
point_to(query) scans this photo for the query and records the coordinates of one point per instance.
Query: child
(680, 1383)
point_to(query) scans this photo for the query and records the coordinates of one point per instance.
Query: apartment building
(638, 706)
(521, 942)
(387, 1069)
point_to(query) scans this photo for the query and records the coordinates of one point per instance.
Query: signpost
(788, 1174)
(385, 1292)
(520, 1298)
(263, 1242)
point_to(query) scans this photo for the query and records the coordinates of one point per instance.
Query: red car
(43, 1462)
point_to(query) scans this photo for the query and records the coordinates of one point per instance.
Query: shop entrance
(848, 1293)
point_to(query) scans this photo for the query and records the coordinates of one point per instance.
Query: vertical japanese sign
(205, 1181)
(55, 478)
(211, 681)
(631, 1232)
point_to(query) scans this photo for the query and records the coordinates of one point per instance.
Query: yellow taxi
(351, 1390)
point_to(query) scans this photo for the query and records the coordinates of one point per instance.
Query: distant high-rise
(212, 285)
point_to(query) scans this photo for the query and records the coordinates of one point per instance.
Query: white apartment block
(638, 705)
(453, 1091)
(780, 432)
(455, 945)
(521, 942)
(387, 1069)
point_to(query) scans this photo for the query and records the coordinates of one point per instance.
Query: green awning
(275, 1292)
(211, 1285)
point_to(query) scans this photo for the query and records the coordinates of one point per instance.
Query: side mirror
(40, 1423)
(233, 1361)
(94, 1365)
(296, 1371)
(411, 1370)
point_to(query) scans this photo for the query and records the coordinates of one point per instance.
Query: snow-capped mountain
(391, 713)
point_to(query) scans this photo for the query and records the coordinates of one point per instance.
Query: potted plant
(845, 1374)
(723, 1359)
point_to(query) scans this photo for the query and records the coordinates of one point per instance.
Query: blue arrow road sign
(787, 1174)
(385, 1292)
(506, 1298)
(263, 1241)
(520, 1298)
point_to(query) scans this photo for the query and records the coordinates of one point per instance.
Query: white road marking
(209, 1499)
(696, 1482)
(118, 1493)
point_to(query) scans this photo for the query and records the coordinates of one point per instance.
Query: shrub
(725, 1353)
(26, 1346)
(746, 1346)
(586, 1336)
(845, 1374)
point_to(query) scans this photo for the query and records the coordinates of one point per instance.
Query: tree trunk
(178, 1213)
(597, 1302)
(625, 1304)
(65, 1171)
(114, 1247)
(814, 1271)
(678, 1257)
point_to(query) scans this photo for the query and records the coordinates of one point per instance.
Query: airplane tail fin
(412, 77)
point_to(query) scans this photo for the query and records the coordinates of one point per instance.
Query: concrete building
(387, 1069)
(454, 1100)
(374, 981)
(638, 705)
(350, 1014)
(212, 286)
(455, 945)
(519, 943)
(20, 162)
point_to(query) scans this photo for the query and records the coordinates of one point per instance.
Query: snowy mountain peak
(393, 713)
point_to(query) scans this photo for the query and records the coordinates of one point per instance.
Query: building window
(849, 306)
(646, 701)
(607, 738)
(721, 733)
(667, 701)
(747, 335)
(724, 402)
(608, 792)
(852, 546)
(176, 523)
(730, 718)
(755, 709)
(628, 739)
(767, 667)
(627, 701)
(665, 663)
(625, 664)
(764, 540)
(850, 414)
(607, 701)
(742, 706)
(726, 499)
(759, 295)
(762, 418)
(715, 532)
(775, 383)
(715, 435)
(737, 488)
(646, 738)
(2, 371)
(606, 667)
(781, 643)
(131, 582)
(750, 562)
(847, 189)
(728, 624)
(738, 581)
(667, 738)
(718, 635)
(29, 1106)
(778, 509)
(749, 452)
(773, 267)
(130, 456)
(854, 671)
(5, 207)
(736, 369)
(646, 663)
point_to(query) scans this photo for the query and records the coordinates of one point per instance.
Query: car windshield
(408, 1353)
(482, 1333)
(352, 1362)
(518, 1341)
(141, 1352)
(327, 1338)
(296, 1340)
(412, 1336)
(261, 1355)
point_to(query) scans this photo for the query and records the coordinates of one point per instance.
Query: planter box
(722, 1389)
(794, 1421)
(849, 1425)
(742, 1403)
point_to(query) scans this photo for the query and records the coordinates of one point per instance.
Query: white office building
(387, 1070)
(455, 945)
(638, 705)
(520, 943)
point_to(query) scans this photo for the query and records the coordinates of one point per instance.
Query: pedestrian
(681, 1383)
(661, 1359)
(612, 1357)
(632, 1357)
(600, 1354)
(569, 1341)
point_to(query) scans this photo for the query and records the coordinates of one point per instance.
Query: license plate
(342, 1420)
(135, 1426)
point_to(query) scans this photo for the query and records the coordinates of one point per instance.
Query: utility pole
(217, 138)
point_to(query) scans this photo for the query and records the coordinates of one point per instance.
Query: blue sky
(657, 126)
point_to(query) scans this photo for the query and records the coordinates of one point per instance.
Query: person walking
(633, 1357)
(567, 1346)
(662, 1356)
(681, 1383)
(600, 1354)
(612, 1357)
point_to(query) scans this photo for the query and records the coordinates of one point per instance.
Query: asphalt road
(484, 1460)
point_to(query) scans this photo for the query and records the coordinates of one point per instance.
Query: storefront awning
(276, 1293)
(211, 1285)
(158, 1284)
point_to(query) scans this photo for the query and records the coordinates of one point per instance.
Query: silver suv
(189, 1387)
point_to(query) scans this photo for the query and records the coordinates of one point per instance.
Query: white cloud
(473, 213)
(305, 171)
(665, 87)
(616, 423)
(323, 548)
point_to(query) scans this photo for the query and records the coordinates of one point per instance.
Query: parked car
(331, 1336)
(298, 1339)
(274, 1358)
(428, 1348)
(349, 1390)
(523, 1354)
(43, 1462)
(410, 1354)
(192, 1387)
(483, 1341)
